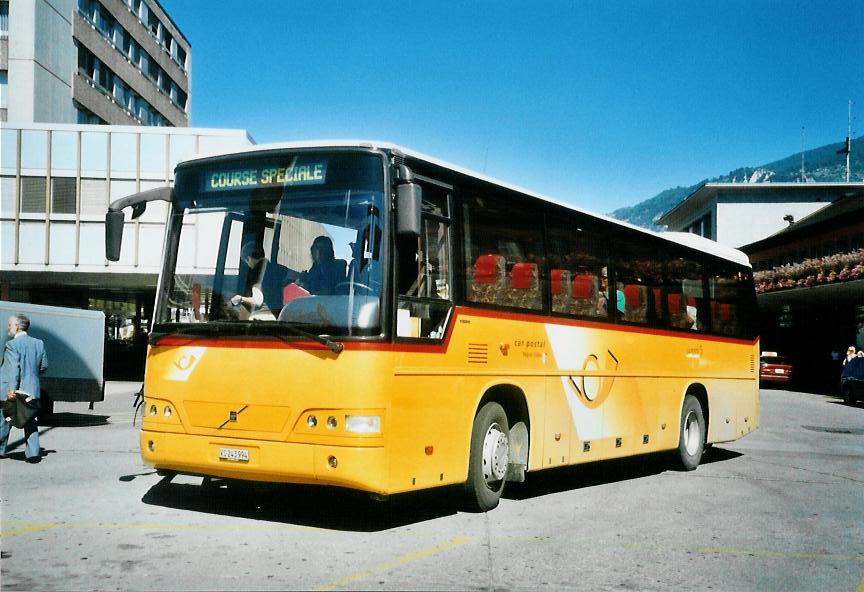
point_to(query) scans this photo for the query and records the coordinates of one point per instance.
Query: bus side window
(730, 290)
(683, 283)
(424, 272)
(578, 262)
(504, 253)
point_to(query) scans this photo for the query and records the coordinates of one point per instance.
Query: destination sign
(307, 173)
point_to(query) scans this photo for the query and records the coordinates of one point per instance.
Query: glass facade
(56, 182)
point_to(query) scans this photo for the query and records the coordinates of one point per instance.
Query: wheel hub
(692, 433)
(496, 454)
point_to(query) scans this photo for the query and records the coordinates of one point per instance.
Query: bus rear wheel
(691, 441)
(489, 458)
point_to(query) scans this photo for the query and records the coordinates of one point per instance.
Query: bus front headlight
(363, 424)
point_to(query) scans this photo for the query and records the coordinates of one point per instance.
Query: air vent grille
(478, 353)
(752, 364)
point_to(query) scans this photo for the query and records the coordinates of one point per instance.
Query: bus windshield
(276, 243)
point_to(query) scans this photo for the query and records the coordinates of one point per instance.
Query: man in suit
(24, 359)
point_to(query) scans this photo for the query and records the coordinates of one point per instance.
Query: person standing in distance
(24, 359)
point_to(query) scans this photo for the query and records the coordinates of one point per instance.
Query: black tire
(691, 434)
(485, 484)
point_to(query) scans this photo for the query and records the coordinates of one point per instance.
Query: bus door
(424, 301)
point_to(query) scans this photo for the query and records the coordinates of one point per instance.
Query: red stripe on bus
(433, 348)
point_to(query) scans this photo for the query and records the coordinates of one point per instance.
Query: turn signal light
(363, 424)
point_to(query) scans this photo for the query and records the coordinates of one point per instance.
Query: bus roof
(682, 238)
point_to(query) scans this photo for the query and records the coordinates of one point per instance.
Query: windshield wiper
(245, 328)
(335, 346)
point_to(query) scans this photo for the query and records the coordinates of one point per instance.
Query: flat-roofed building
(119, 62)
(737, 214)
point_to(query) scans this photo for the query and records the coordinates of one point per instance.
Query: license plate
(779, 370)
(237, 454)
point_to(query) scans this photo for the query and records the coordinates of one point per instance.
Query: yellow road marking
(394, 563)
(8, 529)
(720, 551)
(779, 554)
(25, 529)
(860, 587)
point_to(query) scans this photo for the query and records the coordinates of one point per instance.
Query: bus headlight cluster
(363, 424)
(166, 411)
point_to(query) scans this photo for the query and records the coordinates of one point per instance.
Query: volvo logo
(232, 416)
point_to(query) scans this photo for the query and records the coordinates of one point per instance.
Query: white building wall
(43, 229)
(41, 61)
(739, 224)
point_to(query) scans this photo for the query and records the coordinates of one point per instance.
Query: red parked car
(774, 369)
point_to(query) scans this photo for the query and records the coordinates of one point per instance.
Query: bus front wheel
(489, 458)
(691, 441)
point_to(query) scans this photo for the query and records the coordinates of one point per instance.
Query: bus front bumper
(361, 468)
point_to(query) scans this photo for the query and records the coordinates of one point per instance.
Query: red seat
(583, 286)
(674, 301)
(725, 312)
(632, 296)
(486, 269)
(523, 276)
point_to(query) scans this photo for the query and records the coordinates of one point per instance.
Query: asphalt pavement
(781, 509)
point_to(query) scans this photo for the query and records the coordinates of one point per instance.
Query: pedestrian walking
(24, 359)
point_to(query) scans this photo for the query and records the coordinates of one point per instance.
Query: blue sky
(601, 104)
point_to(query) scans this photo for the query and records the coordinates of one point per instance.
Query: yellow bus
(357, 314)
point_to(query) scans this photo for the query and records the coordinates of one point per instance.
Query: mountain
(821, 165)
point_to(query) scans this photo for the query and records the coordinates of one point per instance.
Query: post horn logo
(185, 362)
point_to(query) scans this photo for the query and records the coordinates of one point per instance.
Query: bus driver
(326, 272)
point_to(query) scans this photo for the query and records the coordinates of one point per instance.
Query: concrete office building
(118, 62)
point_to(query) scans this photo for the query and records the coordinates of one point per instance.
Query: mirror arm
(114, 218)
(139, 201)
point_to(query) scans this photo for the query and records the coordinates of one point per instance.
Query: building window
(94, 196)
(86, 116)
(153, 24)
(4, 18)
(4, 88)
(63, 195)
(33, 195)
(153, 69)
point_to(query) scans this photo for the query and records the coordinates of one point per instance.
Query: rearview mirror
(113, 234)
(408, 209)
(114, 218)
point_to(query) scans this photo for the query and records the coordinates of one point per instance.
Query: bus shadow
(347, 510)
(73, 420)
(604, 472)
(314, 506)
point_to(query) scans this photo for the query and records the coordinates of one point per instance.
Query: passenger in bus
(252, 273)
(326, 272)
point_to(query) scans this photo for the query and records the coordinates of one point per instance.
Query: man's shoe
(34, 459)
